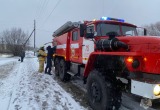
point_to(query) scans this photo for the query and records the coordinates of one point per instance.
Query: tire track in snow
(20, 93)
(19, 69)
(9, 73)
(39, 91)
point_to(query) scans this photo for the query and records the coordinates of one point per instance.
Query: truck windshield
(129, 31)
(103, 29)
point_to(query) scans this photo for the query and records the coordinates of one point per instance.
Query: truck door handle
(83, 45)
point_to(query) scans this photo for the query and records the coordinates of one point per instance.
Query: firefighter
(49, 60)
(41, 57)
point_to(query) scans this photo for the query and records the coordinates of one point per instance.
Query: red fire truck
(111, 58)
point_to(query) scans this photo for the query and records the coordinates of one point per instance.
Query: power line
(103, 8)
(34, 35)
(44, 30)
(37, 10)
(29, 37)
(53, 10)
(42, 8)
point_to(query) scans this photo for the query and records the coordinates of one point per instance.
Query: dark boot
(49, 70)
(49, 74)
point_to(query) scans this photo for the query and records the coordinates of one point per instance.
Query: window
(129, 31)
(103, 29)
(90, 29)
(75, 36)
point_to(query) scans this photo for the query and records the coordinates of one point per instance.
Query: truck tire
(99, 91)
(57, 66)
(64, 76)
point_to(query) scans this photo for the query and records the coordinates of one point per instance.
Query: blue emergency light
(109, 18)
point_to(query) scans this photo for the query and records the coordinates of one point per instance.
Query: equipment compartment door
(76, 47)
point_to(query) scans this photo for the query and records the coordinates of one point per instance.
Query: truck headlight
(156, 90)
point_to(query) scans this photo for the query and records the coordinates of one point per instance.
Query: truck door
(88, 45)
(76, 47)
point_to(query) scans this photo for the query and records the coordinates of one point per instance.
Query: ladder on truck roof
(65, 28)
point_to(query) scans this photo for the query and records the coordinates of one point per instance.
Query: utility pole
(3, 49)
(34, 36)
(34, 31)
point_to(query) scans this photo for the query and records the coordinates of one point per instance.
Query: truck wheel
(99, 91)
(56, 66)
(64, 76)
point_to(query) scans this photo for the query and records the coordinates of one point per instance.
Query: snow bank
(6, 55)
(8, 60)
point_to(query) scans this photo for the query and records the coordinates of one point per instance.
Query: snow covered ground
(23, 88)
(7, 60)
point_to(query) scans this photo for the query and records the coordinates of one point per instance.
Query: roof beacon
(109, 18)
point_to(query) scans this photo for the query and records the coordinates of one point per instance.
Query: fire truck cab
(111, 58)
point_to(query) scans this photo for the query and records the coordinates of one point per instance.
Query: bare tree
(15, 39)
(153, 29)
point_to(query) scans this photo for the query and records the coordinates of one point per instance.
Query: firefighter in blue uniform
(49, 60)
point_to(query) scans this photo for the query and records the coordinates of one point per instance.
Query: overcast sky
(51, 14)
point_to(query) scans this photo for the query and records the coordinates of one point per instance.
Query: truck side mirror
(141, 31)
(82, 30)
(145, 31)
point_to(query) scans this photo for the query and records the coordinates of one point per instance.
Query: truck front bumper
(146, 88)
